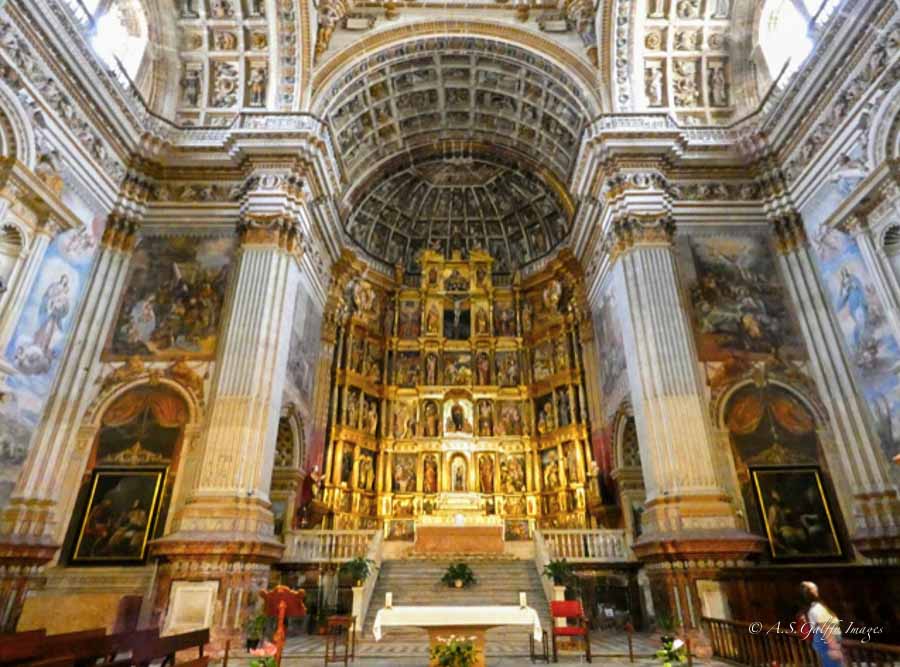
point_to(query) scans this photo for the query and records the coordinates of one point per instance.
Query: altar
(459, 526)
(441, 622)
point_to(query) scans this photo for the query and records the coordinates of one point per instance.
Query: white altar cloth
(426, 617)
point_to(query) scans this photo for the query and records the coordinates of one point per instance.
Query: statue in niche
(353, 411)
(504, 320)
(542, 365)
(346, 467)
(365, 478)
(481, 323)
(718, 87)
(722, 10)
(572, 473)
(431, 369)
(480, 275)
(562, 407)
(372, 418)
(562, 354)
(430, 474)
(507, 368)
(510, 419)
(527, 316)
(257, 85)
(187, 9)
(486, 473)
(483, 369)
(552, 296)
(485, 418)
(653, 79)
(512, 474)
(550, 465)
(221, 9)
(404, 421)
(257, 7)
(432, 420)
(546, 422)
(190, 87)
(388, 322)
(458, 474)
(657, 8)
(456, 282)
(432, 320)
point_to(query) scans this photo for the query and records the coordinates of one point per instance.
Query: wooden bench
(167, 647)
(19, 646)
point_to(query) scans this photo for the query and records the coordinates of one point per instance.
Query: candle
(388, 600)
(522, 600)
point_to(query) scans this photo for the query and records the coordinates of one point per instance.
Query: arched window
(120, 32)
(784, 34)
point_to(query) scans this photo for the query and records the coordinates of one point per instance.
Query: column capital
(635, 230)
(637, 181)
(259, 229)
(789, 232)
(120, 233)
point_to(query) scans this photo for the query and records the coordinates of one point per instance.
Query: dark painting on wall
(795, 512)
(173, 301)
(120, 515)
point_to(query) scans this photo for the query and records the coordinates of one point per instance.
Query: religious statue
(221, 9)
(431, 420)
(458, 474)
(551, 471)
(512, 474)
(486, 473)
(722, 10)
(431, 365)
(654, 86)
(483, 369)
(372, 418)
(352, 413)
(363, 297)
(481, 323)
(257, 7)
(552, 296)
(527, 317)
(485, 418)
(432, 320)
(356, 355)
(364, 477)
(430, 474)
(562, 407)
(187, 9)
(546, 422)
(456, 282)
(718, 87)
(657, 8)
(190, 87)
(257, 85)
(458, 326)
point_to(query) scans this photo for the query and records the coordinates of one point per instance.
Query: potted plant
(264, 656)
(672, 651)
(322, 620)
(453, 652)
(458, 575)
(560, 571)
(255, 629)
(358, 569)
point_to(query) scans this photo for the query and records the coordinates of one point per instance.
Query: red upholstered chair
(282, 602)
(570, 610)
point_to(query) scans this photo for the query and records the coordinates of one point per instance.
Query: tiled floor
(608, 648)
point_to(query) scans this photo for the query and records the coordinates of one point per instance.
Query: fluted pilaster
(857, 455)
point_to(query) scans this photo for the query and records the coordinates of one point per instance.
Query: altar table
(441, 622)
(458, 539)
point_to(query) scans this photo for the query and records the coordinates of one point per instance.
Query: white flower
(677, 644)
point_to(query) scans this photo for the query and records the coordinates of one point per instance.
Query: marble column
(33, 525)
(857, 455)
(225, 531)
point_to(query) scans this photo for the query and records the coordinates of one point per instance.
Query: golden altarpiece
(458, 396)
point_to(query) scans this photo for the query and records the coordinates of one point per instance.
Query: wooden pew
(18, 646)
(167, 647)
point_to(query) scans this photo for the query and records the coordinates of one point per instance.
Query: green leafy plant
(560, 571)
(265, 661)
(454, 651)
(256, 627)
(358, 569)
(672, 651)
(458, 572)
(664, 622)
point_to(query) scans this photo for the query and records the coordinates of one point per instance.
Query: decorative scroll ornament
(636, 231)
(186, 376)
(135, 455)
(256, 229)
(133, 368)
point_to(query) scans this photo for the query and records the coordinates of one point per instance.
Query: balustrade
(326, 546)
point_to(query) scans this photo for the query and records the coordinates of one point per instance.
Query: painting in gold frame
(795, 512)
(120, 516)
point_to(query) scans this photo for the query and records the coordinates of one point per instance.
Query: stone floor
(608, 648)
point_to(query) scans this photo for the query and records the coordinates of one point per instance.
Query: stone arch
(290, 444)
(17, 138)
(812, 404)
(883, 139)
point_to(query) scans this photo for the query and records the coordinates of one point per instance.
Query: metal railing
(587, 545)
(739, 642)
(326, 546)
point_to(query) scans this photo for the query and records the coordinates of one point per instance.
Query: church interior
(325, 323)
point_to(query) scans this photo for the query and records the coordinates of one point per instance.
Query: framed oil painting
(121, 513)
(795, 512)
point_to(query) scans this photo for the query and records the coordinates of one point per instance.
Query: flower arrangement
(672, 651)
(453, 651)
(264, 656)
(458, 575)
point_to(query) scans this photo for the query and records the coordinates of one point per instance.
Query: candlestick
(388, 600)
(522, 600)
